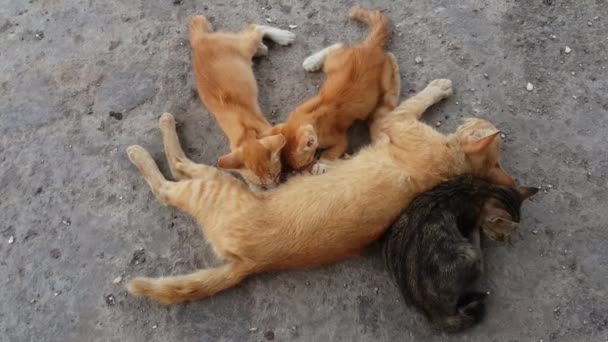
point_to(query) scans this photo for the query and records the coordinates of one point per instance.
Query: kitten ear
(274, 142)
(477, 146)
(276, 129)
(308, 140)
(526, 192)
(230, 161)
(498, 228)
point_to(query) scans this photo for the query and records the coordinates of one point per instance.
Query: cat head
(480, 142)
(258, 161)
(302, 143)
(500, 214)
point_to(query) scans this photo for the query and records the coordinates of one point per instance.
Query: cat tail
(377, 22)
(471, 310)
(199, 25)
(190, 287)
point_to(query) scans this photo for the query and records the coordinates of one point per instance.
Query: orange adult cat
(227, 87)
(359, 79)
(313, 220)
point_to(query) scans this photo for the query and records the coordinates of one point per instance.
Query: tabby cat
(433, 249)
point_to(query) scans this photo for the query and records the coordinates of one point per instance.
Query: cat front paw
(319, 168)
(283, 37)
(441, 88)
(313, 62)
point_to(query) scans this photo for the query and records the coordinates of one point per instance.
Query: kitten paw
(441, 88)
(346, 156)
(313, 62)
(281, 37)
(319, 169)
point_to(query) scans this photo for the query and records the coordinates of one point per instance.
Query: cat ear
(477, 146)
(526, 192)
(230, 161)
(274, 142)
(308, 140)
(498, 228)
(276, 129)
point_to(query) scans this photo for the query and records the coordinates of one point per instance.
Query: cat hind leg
(316, 61)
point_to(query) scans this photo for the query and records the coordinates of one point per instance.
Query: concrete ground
(82, 80)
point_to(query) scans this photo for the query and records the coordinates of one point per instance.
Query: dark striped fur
(433, 250)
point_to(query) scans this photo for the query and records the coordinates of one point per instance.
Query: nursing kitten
(433, 249)
(312, 221)
(359, 79)
(227, 86)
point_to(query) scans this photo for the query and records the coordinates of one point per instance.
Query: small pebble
(253, 329)
(11, 240)
(589, 23)
(292, 26)
(269, 335)
(116, 115)
(117, 280)
(39, 35)
(529, 86)
(57, 293)
(110, 300)
(268, 20)
(504, 83)
(418, 60)
(553, 36)
(66, 222)
(154, 326)
(567, 49)
(438, 123)
(486, 76)
(535, 232)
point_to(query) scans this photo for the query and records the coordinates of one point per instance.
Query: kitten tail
(190, 287)
(377, 22)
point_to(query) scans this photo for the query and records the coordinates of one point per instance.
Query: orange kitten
(311, 221)
(359, 79)
(227, 87)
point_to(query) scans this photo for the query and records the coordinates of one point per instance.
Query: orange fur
(227, 86)
(311, 221)
(359, 79)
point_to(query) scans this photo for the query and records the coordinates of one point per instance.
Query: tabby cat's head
(501, 211)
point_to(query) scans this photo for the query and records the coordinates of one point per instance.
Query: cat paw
(281, 37)
(166, 121)
(441, 88)
(313, 62)
(346, 156)
(262, 50)
(319, 168)
(136, 153)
